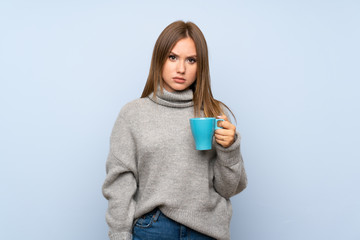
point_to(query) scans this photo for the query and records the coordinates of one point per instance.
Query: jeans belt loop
(156, 215)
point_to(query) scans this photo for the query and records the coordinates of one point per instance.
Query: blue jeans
(156, 226)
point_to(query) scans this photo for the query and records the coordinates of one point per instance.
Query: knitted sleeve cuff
(231, 155)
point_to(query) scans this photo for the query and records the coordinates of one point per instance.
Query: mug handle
(216, 121)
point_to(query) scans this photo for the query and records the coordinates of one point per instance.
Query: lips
(179, 79)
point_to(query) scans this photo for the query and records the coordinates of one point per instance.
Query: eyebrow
(193, 56)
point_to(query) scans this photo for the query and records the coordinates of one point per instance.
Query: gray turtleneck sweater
(153, 163)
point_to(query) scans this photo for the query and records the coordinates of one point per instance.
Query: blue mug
(203, 131)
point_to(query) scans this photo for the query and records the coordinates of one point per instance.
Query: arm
(229, 172)
(120, 183)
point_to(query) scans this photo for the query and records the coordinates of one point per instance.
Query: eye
(172, 57)
(192, 60)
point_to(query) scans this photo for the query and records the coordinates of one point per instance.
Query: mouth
(179, 79)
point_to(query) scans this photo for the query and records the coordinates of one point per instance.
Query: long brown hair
(203, 98)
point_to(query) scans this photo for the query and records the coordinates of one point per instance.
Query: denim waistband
(155, 213)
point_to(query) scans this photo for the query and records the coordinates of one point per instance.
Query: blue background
(288, 69)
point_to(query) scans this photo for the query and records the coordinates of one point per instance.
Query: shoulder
(223, 108)
(226, 110)
(134, 107)
(130, 110)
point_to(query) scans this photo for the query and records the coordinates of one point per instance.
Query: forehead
(185, 46)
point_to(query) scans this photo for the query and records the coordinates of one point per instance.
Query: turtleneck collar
(177, 99)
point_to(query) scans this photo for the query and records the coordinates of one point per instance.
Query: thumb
(223, 117)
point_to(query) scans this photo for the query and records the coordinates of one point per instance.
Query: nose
(180, 68)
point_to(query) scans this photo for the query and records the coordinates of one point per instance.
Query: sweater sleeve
(229, 172)
(120, 183)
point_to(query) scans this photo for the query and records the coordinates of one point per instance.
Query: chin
(180, 88)
(176, 87)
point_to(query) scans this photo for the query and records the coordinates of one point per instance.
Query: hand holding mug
(226, 136)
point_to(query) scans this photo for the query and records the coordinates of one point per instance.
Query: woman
(157, 185)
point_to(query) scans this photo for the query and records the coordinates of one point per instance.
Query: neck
(177, 99)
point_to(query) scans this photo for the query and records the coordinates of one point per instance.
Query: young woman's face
(179, 70)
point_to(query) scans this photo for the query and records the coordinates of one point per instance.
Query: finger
(223, 143)
(220, 137)
(227, 125)
(223, 117)
(221, 134)
(223, 137)
(220, 122)
(224, 132)
(229, 137)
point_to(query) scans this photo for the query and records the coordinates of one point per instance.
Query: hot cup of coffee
(203, 131)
